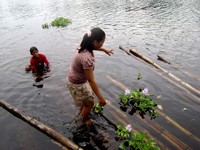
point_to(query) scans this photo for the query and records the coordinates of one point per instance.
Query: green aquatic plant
(97, 107)
(60, 22)
(45, 26)
(124, 133)
(139, 76)
(138, 100)
(132, 141)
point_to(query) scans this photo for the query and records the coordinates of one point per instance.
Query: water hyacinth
(138, 100)
(132, 141)
(127, 92)
(145, 91)
(129, 128)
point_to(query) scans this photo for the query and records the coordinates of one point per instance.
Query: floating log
(178, 144)
(176, 67)
(188, 133)
(137, 129)
(39, 126)
(165, 77)
(134, 52)
(137, 54)
(168, 136)
(162, 59)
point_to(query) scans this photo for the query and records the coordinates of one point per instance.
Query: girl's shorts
(81, 93)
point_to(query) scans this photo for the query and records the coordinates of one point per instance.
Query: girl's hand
(108, 51)
(102, 101)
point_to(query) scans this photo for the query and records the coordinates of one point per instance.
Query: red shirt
(38, 63)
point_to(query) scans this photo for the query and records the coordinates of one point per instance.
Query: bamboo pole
(176, 67)
(136, 129)
(165, 77)
(134, 52)
(178, 144)
(39, 126)
(170, 120)
(188, 133)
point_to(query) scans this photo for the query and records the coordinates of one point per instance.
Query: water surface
(152, 27)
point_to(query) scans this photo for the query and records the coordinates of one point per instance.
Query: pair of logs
(137, 54)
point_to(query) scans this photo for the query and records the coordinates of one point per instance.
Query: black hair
(32, 49)
(87, 41)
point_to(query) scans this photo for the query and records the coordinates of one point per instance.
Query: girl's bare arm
(107, 51)
(90, 77)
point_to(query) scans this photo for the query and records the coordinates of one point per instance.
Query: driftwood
(124, 120)
(137, 54)
(176, 67)
(162, 59)
(163, 132)
(134, 52)
(165, 77)
(39, 126)
(179, 126)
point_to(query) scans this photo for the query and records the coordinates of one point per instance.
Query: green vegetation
(45, 26)
(138, 100)
(139, 76)
(58, 22)
(135, 100)
(133, 141)
(97, 107)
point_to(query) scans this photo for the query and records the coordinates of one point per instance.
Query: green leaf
(139, 76)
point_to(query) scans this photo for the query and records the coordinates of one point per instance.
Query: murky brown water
(152, 27)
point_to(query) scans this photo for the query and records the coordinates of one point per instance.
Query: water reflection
(97, 136)
(165, 27)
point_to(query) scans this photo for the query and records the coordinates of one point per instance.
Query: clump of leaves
(61, 22)
(139, 76)
(45, 26)
(97, 107)
(133, 141)
(124, 133)
(138, 100)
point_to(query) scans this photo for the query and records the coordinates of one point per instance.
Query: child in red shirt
(38, 62)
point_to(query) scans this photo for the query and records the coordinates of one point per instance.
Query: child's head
(93, 39)
(34, 51)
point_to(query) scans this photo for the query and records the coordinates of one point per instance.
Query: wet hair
(32, 49)
(96, 34)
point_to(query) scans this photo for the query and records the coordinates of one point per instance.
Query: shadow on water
(97, 136)
(40, 76)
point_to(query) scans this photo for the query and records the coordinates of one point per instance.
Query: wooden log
(162, 59)
(188, 133)
(176, 67)
(168, 135)
(39, 126)
(178, 144)
(168, 79)
(134, 52)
